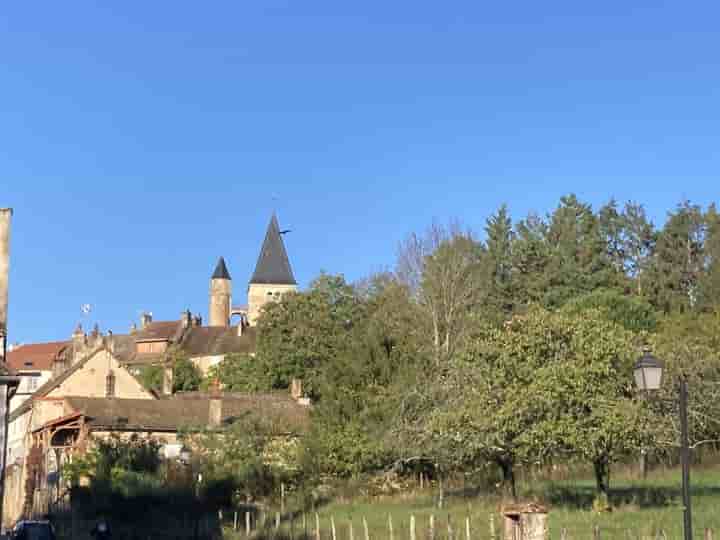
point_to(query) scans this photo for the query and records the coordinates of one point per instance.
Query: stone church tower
(273, 275)
(220, 296)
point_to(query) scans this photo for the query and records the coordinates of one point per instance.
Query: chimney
(133, 328)
(215, 406)
(79, 341)
(296, 389)
(167, 388)
(145, 320)
(110, 342)
(5, 215)
(186, 318)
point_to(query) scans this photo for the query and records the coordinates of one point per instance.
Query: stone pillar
(168, 381)
(215, 405)
(5, 215)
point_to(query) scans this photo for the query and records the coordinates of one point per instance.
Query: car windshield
(36, 531)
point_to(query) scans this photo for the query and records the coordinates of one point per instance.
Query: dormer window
(28, 364)
(151, 347)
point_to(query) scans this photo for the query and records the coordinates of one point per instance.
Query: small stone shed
(525, 521)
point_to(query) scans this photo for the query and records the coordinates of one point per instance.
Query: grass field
(641, 509)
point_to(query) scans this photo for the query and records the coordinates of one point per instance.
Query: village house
(87, 387)
(34, 364)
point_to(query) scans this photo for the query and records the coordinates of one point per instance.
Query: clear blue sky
(141, 140)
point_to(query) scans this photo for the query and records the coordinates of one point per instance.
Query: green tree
(499, 254)
(530, 254)
(546, 383)
(151, 377)
(678, 260)
(630, 312)
(186, 376)
(578, 262)
(237, 373)
(444, 273)
(709, 280)
(303, 332)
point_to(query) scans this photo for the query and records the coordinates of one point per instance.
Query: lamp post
(648, 375)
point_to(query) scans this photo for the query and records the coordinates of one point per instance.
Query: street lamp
(648, 374)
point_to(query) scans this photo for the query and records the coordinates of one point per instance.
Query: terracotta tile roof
(160, 330)
(35, 356)
(192, 410)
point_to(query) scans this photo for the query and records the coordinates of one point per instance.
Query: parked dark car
(33, 530)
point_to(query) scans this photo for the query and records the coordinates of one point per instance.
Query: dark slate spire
(221, 271)
(273, 266)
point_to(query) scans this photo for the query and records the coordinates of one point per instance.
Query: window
(32, 383)
(110, 385)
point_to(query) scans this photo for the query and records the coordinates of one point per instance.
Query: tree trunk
(508, 473)
(602, 475)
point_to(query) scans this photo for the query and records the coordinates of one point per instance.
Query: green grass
(641, 509)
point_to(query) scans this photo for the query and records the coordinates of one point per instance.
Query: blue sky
(142, 140)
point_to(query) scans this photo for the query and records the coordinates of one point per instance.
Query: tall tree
(709, 281)
(443, 272)
(530, 255)
(638, 241)
(303, 332)
(678, 260)
(578, 261)
(499, 253)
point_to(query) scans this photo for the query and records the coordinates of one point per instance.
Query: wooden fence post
(235, 521)
(365, 526)
(596, 532)
(432, 526)
(282, 497)
(317, 526)
(412, 527)
(450, 529)
(563, 534)
(390, 526)
(332, 527)
(467, 528)
(247, 523)
(492, 526)
(350, 530)
(708, 534)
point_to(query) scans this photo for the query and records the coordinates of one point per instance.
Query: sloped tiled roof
(55, 382)
(35, 356)
(175, 412)
(159, 330)
(211, 340)
(273, 266)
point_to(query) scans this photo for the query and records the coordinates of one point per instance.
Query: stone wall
(261, 294)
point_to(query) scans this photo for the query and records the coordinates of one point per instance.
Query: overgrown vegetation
(511, 350)
(492, 357)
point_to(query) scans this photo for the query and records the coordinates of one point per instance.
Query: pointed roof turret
(273, 266)
(221, 271)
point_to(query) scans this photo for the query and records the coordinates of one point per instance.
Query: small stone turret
(220, 296)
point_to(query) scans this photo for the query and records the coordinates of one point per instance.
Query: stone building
(87, 386)
(33, 364)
